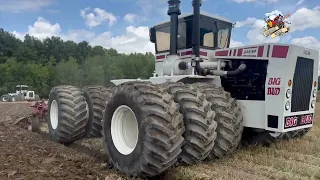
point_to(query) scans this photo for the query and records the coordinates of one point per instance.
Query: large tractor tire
(22, 98)
(198, 119)
(96, 99)
(142, 129)
(302, 132)
(67, 114)
(229, 118)
(292, 134)
(266, 138)
(6, 98)
(15, 98)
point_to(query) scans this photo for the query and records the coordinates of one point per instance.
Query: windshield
(163, 38)
(208, 31)
(223, 36)
(22, 88)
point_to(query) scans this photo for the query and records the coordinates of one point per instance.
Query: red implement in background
(32, 121)
(40, 109)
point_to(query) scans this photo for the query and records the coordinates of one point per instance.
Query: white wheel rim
(54, 114)
(87, 109)
(4, 99)
(275, 134)
(13, 99)
(124, 129)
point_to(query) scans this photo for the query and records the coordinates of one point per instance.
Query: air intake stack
(174, 11)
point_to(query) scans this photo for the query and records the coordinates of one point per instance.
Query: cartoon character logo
(276, 25)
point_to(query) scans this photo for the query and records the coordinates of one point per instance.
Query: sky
(124, 24)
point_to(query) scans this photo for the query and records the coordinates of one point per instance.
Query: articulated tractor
(202, 99)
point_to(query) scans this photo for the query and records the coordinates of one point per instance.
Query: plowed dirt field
(27, 155)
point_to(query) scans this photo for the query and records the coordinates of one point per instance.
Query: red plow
(38, 115)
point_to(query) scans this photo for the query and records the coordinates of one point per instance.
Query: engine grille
(302, 85)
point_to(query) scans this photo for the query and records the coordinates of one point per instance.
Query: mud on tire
(198, 119)
(67, 114)
(266, 138)
(229, 118)
(160, 127)
(302, 132)
(96, 99)
(295, 134)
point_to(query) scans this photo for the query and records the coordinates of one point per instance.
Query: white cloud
(136, 39)
(235, 43)
(97, 17)
(134, 18)
(78, 35)
(254, 34)
(41, 29)
(308, 42)
(274, 12)
(248, 21)
(305, 18)
(131, 18)
(23, 5)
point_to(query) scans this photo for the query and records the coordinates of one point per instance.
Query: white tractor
(202, 99)
(22, 94)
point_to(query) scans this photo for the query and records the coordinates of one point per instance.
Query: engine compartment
(250, 84)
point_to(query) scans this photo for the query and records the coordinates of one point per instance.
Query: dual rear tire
(177, 123)
(142, 129)
(148, 128)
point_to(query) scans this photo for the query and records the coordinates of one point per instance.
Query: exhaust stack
(196, 27)
(174, 11)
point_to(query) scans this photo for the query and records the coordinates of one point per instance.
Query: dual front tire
(67, 114)
(74, 113)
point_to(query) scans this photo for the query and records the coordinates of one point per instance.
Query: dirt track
(10, 112)
(27, 155)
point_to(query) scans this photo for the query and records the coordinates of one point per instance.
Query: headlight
(287, 106)
(314, 93)
(313, 103)
(288, 93)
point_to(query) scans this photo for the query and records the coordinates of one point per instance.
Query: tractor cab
(215, 33)
(22, 89)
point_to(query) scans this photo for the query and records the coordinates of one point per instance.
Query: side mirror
(152, 35)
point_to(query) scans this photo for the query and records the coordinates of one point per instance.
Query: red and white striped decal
(278, 51)
(267, 51)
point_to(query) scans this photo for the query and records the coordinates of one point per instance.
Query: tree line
(43, 64)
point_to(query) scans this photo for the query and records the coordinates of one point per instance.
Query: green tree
(43, 64)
